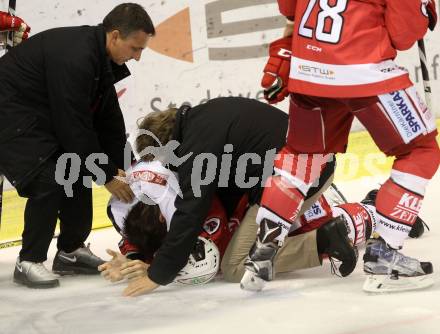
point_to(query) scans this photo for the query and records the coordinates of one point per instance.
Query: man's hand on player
(111, 270)
(140, 286)
(120, 189)
(277, 69)
(134, 269)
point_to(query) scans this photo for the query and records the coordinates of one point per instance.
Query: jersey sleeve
(215, 226)
(130, 251)
(287, 7)
(406, 22)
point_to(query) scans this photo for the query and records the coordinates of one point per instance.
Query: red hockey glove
(129, 250)
(14, 23)
(276, 71)
(432, 14)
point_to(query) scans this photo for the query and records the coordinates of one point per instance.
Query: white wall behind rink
(159, 80)
(222, 51)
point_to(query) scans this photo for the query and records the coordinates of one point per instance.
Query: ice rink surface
(307, 301)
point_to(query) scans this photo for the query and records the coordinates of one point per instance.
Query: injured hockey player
(225, 240)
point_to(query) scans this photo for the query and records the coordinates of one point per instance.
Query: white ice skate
(391, 271)
(259, 264)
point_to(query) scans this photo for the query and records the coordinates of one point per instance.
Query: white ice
(307, 301)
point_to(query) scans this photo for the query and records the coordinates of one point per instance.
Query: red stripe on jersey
(151, 177)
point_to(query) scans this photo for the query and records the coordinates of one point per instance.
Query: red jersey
(216, 227)
(345, 48)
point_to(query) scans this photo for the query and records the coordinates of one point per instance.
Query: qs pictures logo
(224, 20)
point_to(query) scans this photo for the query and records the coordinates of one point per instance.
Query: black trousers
(47, 202)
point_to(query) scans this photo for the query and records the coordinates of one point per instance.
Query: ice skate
(259, 265)
(390, 270)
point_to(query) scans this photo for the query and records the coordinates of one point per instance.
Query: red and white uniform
(361, 219)
(342, 67)
(151, 181)
(346, 48)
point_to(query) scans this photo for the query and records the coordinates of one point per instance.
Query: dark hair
(143, 228)
(128, 18)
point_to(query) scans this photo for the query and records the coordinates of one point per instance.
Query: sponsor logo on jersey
(360, 221)
(285, 227)
(389, 69)
(316, 211)
(391, 225)
(419, 101)
(406, 111)
(403, 114)
(211, 225)
(317, 72)
(426, 115)
(407, 209)
(149, 176)
(314, 48)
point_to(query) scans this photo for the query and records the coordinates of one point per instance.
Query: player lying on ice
(334, 236)
(143, 226)
(227, 147)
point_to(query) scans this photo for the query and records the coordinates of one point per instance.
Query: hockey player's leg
(307, 250)
(259, 265)
(398, 204)
(317, 134)
(232, 265)
(399, 200)
(417, 230)
(298, 251)
(335, 236)
(282, 200)
(361, 219)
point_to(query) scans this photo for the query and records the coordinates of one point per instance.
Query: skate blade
(385, 284)
(251, 282)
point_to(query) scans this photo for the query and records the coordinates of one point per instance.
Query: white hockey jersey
(151, 183)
